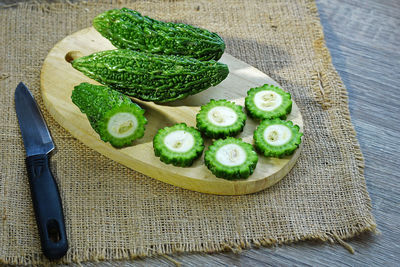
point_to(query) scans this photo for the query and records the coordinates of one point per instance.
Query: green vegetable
(268, 102)
(128, 29)
(111, 114)
(220, 118)
(151, 77)
(231, 158)
(178, 145)
(277, 138)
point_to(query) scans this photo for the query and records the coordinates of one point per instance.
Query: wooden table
(363, 37)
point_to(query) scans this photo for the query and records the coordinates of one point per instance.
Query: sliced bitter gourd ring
(231, 158)
(111, 114)
(220, 118)
(268, 102)
(277, 138)
(178, 145)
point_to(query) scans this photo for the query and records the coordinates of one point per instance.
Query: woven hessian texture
(113, 212)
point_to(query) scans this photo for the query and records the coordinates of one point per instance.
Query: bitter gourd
(231, 158)
(128, 29)
(178, 145)
(111, 114)
(268, 102)
(277, 138)
(151, 77)
(220, 118)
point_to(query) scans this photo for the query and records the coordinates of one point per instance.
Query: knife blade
(44, 191)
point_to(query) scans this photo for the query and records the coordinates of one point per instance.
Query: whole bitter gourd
(151, 77)
(111, 114)
(128, 29)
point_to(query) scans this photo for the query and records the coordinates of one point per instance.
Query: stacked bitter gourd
(156, 61)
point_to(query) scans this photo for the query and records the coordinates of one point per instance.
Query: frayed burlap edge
(237, 246)
(322, 90)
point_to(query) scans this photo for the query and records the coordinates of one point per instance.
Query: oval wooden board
(58, 79)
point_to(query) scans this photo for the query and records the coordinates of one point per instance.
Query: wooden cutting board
(58, 79)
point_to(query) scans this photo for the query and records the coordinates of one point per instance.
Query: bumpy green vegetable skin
(101, 103)
(151, 77)
(265, 147)
(241, 171)
(214, 124)
(280, 111)
(128, 29)
(178, 158)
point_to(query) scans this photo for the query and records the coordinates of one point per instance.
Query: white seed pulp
(122, 124)
(267, 100)
(222, 116)
(277, 135)
(231, 155)
(179, 141)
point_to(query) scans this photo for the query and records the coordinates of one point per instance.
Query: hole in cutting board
(72, 55)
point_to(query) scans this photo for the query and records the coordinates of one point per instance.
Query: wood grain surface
(363, 37)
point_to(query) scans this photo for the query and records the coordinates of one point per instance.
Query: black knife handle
(48, 208)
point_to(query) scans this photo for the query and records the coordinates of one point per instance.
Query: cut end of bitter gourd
(268, 102)
(220, 118)
(178, 145)
(277, 138)
(122, 125)
(111, 114)
(231, 158)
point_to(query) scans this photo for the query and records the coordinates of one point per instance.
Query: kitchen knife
(44, 191)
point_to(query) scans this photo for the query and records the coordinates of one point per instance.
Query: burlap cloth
(113, 212)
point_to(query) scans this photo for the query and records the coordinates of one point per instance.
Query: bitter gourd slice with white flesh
(277, 138)
(178, 145)
(268, 102)
(220, 118)
(231, 158)
(111, 114)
